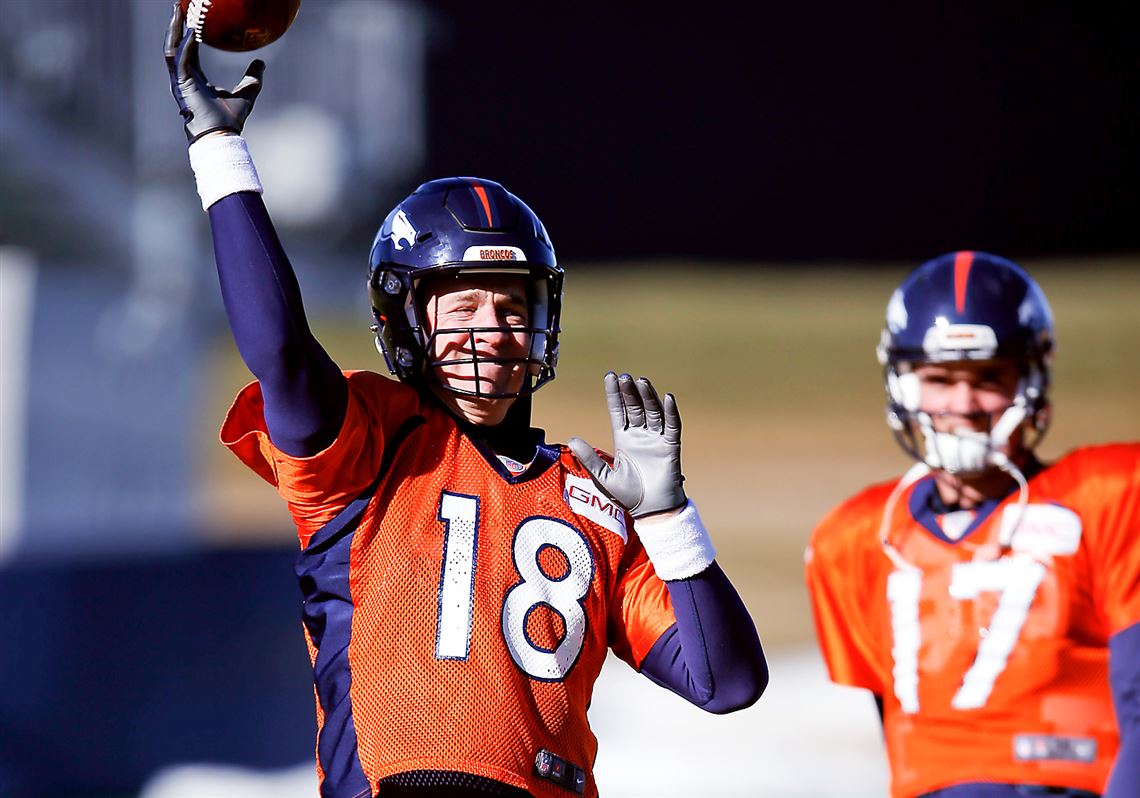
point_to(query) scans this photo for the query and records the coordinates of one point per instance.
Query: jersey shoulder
(852, 523)
(380, 408)
(385, 396)
(1092, 473)
(1106, 458)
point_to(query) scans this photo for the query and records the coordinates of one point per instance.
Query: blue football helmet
(460, 226)
(966, 306)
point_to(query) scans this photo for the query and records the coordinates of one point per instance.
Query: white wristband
(222, 166)
(678, 547)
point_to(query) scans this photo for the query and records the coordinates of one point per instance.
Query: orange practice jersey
(990, 669)
(457, 616)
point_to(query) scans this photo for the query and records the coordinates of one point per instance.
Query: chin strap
(913, 475)
(1005, 538)
(917, 472)
(967, 451)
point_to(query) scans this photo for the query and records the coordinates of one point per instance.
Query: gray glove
(204, 107)
(646, 475)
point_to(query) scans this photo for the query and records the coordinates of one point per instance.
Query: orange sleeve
(1110, 485)
(832, 568)
(640, 610)
(317, 487)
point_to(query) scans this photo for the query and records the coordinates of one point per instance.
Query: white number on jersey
(1015, 578)
(460, 516)
(562, 594)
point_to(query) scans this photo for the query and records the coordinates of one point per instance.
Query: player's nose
(963, 398)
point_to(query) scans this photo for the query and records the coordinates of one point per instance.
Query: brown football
(239, 25)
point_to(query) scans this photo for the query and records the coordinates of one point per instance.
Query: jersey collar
(926, 505)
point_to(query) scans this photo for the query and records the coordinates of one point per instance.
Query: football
(239, 25)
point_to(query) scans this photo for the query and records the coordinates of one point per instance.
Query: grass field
(776, 379)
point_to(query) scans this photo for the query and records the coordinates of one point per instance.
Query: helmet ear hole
(904, 388)
(391, 283)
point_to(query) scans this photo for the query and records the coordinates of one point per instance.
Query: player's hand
(646, 475)
(204, 107)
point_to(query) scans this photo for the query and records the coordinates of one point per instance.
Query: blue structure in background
(113, 670)
(129, 646)
(110, 434)
(129, 643)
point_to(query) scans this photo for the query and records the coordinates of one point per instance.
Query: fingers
(635, 403)
(255, 70)
(174, 34)
(250, 85)
(672, 420)
(614, 401)
(588, 457)
(634, 410)
(187, 57)
(651, 403)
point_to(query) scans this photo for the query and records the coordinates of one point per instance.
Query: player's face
(487, 312)
(968, 395)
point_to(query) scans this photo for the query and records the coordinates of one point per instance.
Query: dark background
(799, 131)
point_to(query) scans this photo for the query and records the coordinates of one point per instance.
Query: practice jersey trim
(322, 568)
(1043, 530)
(586, 500)
(923, 500)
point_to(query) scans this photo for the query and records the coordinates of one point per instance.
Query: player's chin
(483, 411)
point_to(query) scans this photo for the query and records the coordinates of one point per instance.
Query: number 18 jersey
(457, 614)
(990, 669)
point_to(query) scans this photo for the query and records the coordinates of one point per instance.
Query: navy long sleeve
(712, 656)
(1124, 675)
(304, 392)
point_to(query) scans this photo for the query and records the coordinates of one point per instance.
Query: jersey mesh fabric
(483, 604)
(446, 784)
(957, 722)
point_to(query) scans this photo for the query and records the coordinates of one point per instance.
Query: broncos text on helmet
(965, 306)
(460, 226)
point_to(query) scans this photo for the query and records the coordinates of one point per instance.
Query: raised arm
(712, 656)
(303, 390)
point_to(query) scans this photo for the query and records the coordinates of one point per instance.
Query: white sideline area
(806, 738)
(17, 303)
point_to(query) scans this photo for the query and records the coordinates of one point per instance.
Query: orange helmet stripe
(482, 192)
(962, 263)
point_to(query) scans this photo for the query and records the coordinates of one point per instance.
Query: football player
(988, 600)
(463, 577)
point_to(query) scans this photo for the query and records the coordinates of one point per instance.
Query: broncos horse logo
(402, 230)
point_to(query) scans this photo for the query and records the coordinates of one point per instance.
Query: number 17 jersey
(990, 668)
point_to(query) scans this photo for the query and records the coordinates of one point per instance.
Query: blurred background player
(463, 578)
(989, 601)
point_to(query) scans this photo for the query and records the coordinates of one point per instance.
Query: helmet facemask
(466, 228)
(406, 345)
(966, 450)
